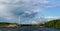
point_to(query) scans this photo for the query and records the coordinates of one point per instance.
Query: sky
(29, 11)
(53, 13)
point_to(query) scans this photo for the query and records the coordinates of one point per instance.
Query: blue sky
(29, 11)
(52, 12)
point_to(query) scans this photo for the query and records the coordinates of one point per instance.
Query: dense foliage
(53, 24)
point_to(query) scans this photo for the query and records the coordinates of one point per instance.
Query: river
(28, 28)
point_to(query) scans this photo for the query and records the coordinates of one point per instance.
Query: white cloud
(2, 7)
(34, 22)
(52, 17)
(8, 7)
(52, 6)
(25, 1)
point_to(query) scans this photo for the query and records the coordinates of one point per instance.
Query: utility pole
(19, 20)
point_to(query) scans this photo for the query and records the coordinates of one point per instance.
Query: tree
(53, 24)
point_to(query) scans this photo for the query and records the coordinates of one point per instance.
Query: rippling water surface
(28, 28)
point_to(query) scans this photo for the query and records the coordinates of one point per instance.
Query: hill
(53, 24)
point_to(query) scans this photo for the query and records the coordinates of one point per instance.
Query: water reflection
(28, 28)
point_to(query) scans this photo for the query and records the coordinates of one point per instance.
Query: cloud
(52, 17)
(27, 10)
(49, 7)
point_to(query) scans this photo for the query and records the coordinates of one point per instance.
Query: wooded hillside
(53, 24)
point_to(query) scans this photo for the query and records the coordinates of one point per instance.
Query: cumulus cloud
(22, 10)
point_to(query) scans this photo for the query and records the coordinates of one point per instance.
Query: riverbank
(3, 24)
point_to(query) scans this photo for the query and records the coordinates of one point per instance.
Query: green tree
(53, 24)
